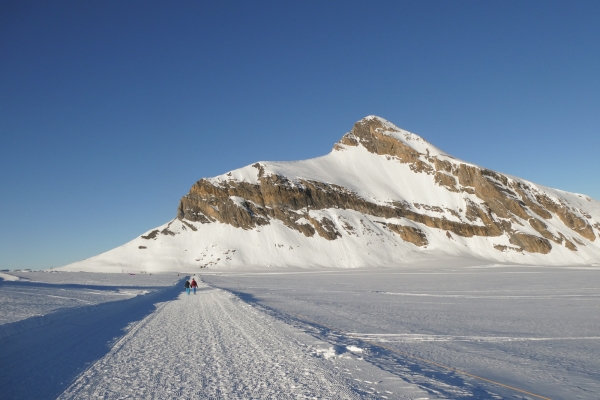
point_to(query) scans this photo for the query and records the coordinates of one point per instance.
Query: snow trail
(212, 345)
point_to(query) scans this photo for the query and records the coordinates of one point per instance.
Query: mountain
(383, 196)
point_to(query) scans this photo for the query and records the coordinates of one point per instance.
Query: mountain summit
(382, 197)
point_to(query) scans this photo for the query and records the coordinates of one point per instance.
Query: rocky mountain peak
(382, 196)
(382, 137)
(301, 195)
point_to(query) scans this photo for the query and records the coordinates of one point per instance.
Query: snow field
(8, 277)
(396, 333)
(212, 345)
(531, 328)
(117, 279)
(17, 302)
(37, 293)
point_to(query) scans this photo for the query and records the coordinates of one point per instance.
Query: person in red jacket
(194, 285)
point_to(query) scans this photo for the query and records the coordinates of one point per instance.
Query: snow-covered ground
(212, 345)
(535, 329)
(54, 325)
(73, 338)
(39, 293)
(433, 331)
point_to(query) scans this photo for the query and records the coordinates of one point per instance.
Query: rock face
(382, 196)
(493, 204)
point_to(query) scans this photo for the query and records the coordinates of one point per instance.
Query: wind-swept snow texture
(382, 197)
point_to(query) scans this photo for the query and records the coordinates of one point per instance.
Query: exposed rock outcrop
(493, 204)
(410, 234)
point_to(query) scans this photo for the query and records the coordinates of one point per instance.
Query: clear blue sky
(111, 110)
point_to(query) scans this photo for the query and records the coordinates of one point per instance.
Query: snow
(364, 240)
(367, 243)
(64, 290)
(533, 328)
(453, 329)
(410, 139)
(211, 345)
(54, 325)
(369, 175)
(165, 344)
(282, 315)
(8, 277)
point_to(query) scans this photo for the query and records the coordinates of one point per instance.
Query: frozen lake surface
(535, 329)
(30, 294)
(454, 332)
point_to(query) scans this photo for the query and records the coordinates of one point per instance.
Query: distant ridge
(382, 197)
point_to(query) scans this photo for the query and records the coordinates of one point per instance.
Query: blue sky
(110, 111)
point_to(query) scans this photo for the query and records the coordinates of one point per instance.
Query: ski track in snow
(212, 345)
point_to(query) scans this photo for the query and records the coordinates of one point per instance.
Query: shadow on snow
(41, 356)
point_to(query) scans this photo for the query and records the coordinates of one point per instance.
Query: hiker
(194, 285)
(187, 287)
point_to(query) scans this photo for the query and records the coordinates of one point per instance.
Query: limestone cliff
(490, 204)
(382, 197)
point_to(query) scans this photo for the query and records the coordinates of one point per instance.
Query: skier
(194, 285)
(187, 287)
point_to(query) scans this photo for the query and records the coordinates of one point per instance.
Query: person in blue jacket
(187, 287)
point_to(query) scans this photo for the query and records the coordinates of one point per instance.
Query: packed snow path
(212, 345)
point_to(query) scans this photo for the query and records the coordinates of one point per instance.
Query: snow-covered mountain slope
(382, 197)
